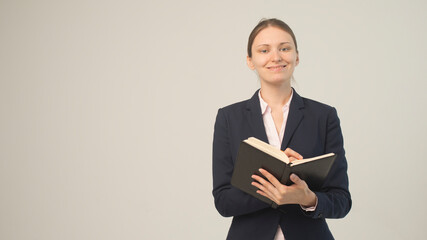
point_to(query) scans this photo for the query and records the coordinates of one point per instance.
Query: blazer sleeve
(229, 201)
(334, 200)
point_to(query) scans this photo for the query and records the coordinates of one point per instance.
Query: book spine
(285, 176)
(284, 180)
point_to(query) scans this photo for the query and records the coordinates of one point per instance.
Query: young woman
(302, 127)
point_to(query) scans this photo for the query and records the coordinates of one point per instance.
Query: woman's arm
(229, 201)
(334, 200)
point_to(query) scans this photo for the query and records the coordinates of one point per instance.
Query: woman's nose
(276, 56)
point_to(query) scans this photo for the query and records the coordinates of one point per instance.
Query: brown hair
(272, 22)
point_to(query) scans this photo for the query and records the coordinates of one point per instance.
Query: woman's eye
(263, 51)
(284, 49)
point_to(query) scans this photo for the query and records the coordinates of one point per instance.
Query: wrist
(309, 200)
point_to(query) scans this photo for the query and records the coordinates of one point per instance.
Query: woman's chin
(277, 81)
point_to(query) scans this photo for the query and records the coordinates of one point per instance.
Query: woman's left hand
(297, 193)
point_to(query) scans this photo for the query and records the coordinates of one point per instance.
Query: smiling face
(274, 56)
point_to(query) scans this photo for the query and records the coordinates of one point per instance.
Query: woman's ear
(249, 63)
(297, 59)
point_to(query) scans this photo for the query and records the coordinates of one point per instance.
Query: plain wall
(107, 111)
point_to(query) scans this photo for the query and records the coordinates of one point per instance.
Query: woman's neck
(276, 96)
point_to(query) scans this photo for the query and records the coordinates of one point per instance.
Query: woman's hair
(272, 22)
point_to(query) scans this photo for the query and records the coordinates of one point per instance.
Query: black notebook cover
(250, 159)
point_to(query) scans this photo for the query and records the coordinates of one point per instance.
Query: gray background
(107, 111)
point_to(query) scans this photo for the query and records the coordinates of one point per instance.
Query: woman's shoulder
(235, 106)
(310, 103)
(242, 105)
(233, 111)
(318, 109)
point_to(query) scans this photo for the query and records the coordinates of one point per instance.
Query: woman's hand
(297, 193)
(292, 155)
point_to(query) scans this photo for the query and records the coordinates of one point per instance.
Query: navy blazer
(312, 129)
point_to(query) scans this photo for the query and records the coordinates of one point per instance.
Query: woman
(302, 127)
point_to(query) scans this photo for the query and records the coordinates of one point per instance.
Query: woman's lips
(276, 68)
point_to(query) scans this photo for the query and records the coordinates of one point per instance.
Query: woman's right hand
(292, 155)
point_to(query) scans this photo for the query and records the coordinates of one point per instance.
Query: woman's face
(274, 56)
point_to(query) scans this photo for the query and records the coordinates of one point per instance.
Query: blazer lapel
(253, 111)
(294, 118)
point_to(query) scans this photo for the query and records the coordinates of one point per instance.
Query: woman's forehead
(272, 36)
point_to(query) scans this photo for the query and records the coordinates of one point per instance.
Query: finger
(261, 180)
(295, 179)
(270, 178)
(264, 191)
(264, 185)
(291, 159)
(263, 194)
(266, 195)
(259, 186)
(267, 186)
(291, 153)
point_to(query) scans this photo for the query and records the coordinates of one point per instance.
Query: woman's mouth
(276, 68)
